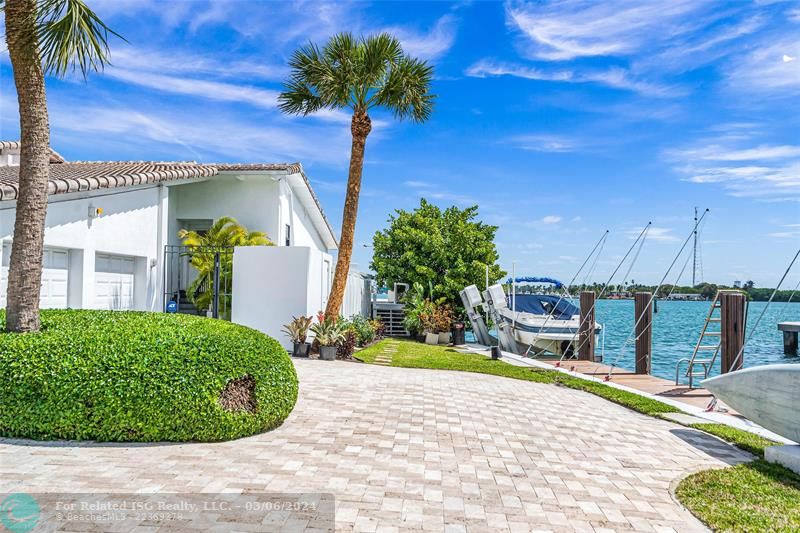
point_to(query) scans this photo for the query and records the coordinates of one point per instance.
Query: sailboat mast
(694, 251)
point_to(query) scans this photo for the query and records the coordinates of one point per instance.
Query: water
(677, 326)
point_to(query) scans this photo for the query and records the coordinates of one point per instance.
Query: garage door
(55, 277)
(113, 279)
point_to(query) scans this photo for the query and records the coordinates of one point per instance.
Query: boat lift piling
(586, 340)
(471, 298)
(733, 308)
(643, 311)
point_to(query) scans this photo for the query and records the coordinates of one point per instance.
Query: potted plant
(427, 322)
(443, 317)
(297, 330)
(328, 334)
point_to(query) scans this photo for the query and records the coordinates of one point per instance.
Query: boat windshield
(544, 304)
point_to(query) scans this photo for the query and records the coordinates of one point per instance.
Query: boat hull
(768, 395)
(549, 336)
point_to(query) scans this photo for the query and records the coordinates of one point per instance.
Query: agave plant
(297, 329)
(328, 332)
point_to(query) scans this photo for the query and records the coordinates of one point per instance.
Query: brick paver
(406, 449)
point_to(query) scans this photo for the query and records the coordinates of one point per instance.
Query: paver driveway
(418, 449)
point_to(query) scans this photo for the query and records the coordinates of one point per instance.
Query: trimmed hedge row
(137, 376)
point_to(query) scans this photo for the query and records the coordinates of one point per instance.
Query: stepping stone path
(385, 357)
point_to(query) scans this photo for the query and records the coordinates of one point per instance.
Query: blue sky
(560, 120)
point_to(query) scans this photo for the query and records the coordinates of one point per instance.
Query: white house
(108, 224)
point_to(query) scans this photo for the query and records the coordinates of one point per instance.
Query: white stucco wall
(272, 284)
(128, 226)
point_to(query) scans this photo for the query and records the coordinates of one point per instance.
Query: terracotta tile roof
(55, 157)
(88, 176)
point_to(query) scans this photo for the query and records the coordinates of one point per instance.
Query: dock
(646, 383)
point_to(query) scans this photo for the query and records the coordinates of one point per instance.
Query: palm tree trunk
(25, 272)
(360, 127)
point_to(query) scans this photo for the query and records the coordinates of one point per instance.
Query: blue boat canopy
(544, 304)
(555, 282)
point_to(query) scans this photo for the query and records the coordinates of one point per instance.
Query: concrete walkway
(417, 449)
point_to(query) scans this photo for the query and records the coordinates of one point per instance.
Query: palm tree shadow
(710, 445)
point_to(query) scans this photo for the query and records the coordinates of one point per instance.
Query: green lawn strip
(755, 496)
(411, 354)
(745, 440)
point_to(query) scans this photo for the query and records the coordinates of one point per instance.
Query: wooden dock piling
(790, 333)
(733, 305)
(586, 338)
(643, 316)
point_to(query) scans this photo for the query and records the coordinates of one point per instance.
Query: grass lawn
(411, 354)
(755, 496)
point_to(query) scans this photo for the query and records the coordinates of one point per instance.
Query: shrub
(347, 344)
(364, 328)
(135, 376)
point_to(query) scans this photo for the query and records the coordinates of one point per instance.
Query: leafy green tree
(225, 232)
(358, 74)
(43, 37)
(445, 250)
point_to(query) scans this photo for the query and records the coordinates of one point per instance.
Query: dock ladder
(710, 342)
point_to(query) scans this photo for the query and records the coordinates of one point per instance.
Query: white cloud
(763, 171)
(551, 219)
(765, 68)
(181, 62)
(617, 78)
(430, 45)
(654, 233)
(544, 143)
(573, 29)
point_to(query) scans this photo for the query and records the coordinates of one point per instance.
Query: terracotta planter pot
(327, 353)
(431, 338)
(300, 349)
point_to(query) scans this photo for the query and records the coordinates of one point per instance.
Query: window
(288, 235)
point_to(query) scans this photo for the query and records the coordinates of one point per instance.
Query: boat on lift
(542, 324)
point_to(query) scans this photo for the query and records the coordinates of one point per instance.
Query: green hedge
(134, 376)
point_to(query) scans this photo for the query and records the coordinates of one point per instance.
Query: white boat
(547, 323)
(767, 395)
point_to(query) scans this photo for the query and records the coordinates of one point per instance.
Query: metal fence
(198, 280)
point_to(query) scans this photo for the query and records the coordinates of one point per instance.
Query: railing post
(643, 314)
(215, 304)
(586, 331)
(732, 310)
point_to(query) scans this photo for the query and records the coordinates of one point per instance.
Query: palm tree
(43, 37)
(358, 74)
(225, 233)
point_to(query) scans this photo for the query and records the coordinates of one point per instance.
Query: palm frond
(406, 91)
(70, 35)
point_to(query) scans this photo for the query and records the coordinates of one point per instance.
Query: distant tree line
(705, 289)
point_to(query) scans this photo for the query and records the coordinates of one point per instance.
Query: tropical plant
(43, 37)
(443, 250)
(297, 329)
(328, 331)
(359, 74)
(203, 248)
(442, 317)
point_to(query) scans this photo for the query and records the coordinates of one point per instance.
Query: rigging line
(652, 296)
(633, 262)
(642, 233)
(590, 272)
(686, 264)
(755, 326)
(601, 241)
(643, 236)
(786, 307)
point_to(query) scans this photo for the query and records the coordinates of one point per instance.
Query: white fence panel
(356, 296)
